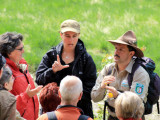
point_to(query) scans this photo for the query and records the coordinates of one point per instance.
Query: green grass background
(100, 20)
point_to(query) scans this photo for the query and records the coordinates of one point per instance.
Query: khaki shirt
(139, 84)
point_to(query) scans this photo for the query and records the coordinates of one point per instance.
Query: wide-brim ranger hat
(129, 38)
(2, 61)
(70, 25)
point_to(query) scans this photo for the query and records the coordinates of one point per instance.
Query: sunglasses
(20, 49)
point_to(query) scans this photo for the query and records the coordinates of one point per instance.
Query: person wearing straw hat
(69, 57)
(116, 82)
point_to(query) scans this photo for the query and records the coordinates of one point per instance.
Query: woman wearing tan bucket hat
(115, 74)
(69, 58)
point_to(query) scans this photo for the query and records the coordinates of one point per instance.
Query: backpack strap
(51, 115)
(134, 68)
(106, 102)
(109, 70)
(83, 117)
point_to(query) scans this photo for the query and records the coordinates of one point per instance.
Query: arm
(23, 98)
(99, 90)
(56, 67)
(140, 83)
(22, 101)
(44, 73)
(11, 113)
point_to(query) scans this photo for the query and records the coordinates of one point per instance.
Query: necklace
(67, 57)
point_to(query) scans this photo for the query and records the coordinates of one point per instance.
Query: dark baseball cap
(2, 61)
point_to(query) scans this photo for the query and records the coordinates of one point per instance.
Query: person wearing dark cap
(69, 58)
(125, 49)
(2, 63)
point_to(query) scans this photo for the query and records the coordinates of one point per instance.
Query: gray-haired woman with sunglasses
(11, 47)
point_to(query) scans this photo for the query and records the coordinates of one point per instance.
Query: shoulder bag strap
(51, 115)
(83, 117)
(134, 68)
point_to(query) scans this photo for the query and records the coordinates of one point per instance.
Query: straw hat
(129, 38)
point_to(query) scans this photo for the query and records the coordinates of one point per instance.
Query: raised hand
(112, 90)
(107, 80)
(57, 66)
(34, 91)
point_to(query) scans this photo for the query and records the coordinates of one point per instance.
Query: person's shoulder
(142, 71)
(8, 97)
(89, 118)
(110, 65)
(43, 117)
(51, 50)
(54, 50)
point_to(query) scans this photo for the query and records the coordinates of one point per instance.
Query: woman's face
(9, 85)
(70, 39)
(16, 55)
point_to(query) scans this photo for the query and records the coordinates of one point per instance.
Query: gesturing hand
(57, 66)
(107, 80)
(34, 91)
(112, 90)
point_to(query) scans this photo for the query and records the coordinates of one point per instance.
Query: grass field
(100, 20)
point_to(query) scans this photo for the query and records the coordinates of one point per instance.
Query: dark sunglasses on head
(20, 49)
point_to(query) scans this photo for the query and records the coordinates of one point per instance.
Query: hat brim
(138, 52)
(70, 29)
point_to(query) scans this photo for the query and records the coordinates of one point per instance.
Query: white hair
(70, 88)
(129, 105)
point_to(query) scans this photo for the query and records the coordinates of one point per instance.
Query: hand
(57, 66)
(34, 91)
(112, 90)
(107, 80)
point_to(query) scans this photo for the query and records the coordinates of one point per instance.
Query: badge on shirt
(139, 88)
(124, 84)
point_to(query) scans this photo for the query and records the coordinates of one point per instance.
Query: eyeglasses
(20, 49)
(12, 78)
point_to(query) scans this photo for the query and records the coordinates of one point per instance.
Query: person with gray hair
(12, 48)
(129, 106)
(70, 92)
(7, 100)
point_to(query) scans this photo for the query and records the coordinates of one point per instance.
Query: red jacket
(28, 107)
